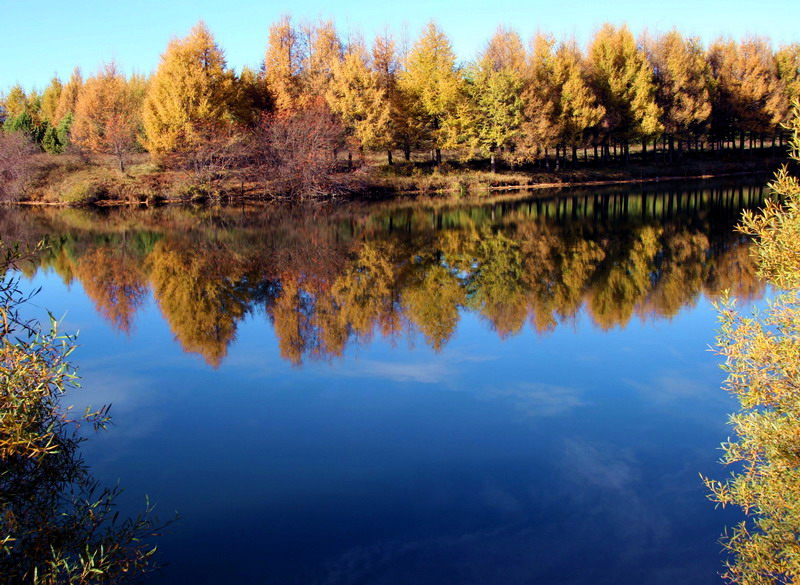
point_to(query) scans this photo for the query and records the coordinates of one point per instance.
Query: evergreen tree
(251, 98)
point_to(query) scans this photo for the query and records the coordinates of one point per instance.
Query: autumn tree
(68, 96)
(294, 152)
(283, 64)
(16, 168)
(15, 102)
(540, 98)
(494, 86)
(625, 83)
(191, 90)
(356, 95)
(402, 130)
(579, 111)
(787, 60)
(432, 300)
(323, 52)
(106, 115)
(684, 84)
(50, 97)
(200, 294)
(750, 97)
(434, 87)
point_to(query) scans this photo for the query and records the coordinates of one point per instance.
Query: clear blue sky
(42, 37)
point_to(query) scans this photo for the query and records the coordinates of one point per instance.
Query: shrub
(56, 524)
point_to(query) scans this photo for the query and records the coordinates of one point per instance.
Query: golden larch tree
(356, 95)
(433, 86)
(68, 96)
(107, 115)
(191, 91)
(684, 85)
(283, 64)
(624, 80)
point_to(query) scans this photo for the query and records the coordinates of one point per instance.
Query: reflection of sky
(570, 458)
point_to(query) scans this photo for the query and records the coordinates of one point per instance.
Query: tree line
(550, 102)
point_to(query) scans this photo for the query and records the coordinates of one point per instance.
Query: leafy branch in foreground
(762, 359)
(57, 524)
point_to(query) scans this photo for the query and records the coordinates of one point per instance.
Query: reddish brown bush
(16, 164)
(295, 153)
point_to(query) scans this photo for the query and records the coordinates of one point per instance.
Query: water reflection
(328, 276)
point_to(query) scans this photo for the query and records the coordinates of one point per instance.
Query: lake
(515, 391)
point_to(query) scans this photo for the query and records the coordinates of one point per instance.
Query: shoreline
(379, 192)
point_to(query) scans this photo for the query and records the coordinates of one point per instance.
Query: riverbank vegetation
(328, 116)
(57, 524)
(762, 354)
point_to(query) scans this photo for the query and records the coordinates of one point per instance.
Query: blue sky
(40, 38)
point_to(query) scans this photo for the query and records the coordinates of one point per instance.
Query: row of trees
(520, 102)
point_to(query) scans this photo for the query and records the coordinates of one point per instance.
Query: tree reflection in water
(330, 276)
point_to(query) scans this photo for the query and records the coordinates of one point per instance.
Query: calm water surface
(514, 392)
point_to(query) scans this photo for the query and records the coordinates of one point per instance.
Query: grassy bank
(75, 180)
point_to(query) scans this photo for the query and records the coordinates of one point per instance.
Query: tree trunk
(407, 152)
(438, 156)
(575, 155)
(644, 148)
(349, 161)
(389, 157)
(493, 161)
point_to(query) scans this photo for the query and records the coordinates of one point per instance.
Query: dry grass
(76, 180)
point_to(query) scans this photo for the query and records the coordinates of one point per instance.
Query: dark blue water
(541, 413)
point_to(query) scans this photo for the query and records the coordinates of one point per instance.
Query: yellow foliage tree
(356, 95)
(625, 83)
(191, 91)
(433, 86)
(107, 115)
(50, 99)
(283, 63)
(68, 96)
(762, 358)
